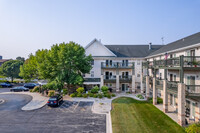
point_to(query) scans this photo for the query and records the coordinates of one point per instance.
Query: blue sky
(28, 25)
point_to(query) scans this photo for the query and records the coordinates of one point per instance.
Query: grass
(132, 116)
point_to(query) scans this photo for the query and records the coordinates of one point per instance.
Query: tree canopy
(11, 69)
(63, 63)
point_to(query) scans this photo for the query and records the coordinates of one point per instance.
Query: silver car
(19, 88)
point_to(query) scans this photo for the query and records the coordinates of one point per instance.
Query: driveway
(70, 117)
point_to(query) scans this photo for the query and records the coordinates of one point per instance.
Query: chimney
(150, 46)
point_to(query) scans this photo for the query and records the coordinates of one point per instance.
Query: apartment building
(117, 66)
(173, 73)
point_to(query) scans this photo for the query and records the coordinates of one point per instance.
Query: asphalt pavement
(70, 117)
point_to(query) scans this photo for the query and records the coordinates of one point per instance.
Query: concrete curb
(37, 101)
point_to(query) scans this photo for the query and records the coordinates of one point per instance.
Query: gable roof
(184, 42)
(136, 51)
(105, 49)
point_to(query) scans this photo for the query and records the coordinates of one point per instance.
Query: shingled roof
(184, 42)
(137, 51)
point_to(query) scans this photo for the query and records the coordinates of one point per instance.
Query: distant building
(3, 60)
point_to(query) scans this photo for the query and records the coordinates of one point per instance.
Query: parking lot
(70, 117)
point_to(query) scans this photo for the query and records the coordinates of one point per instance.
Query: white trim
(95, 40)
(176, 50)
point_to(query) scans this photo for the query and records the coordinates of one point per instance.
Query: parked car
(5, 85)
(30, 85)
(19, 88)
(55, 100)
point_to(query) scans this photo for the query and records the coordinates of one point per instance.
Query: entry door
(107, 75)
(123, 87)
(171, 77)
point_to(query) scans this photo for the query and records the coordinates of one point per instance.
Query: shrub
(79, 95)
(193, 128)
(159, 100)
(30, 90)
(85, 95)
(104, 89)
(36, 89)
(95, 95)
(73, 95)
(113, 95)
(108, 95)
(51, 93)
(51, 86)
(105, 94)
(90, 94)
(140, 96)
(64, 91)
(95, 89)
(80, 90)
(100, 95)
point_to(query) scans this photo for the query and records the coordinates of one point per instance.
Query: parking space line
(76, 106)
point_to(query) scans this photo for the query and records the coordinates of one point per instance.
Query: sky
(29, 25)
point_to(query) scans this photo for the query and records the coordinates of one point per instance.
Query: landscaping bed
(132, 116)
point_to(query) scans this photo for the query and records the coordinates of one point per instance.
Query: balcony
(192, 90)
(185, 62)
(117, 65)
(109, 79)
(172, 87)
(126, 78)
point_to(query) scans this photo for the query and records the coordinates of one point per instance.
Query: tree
(63, 63)
(29, 69)
(11, 68)
(20, 58)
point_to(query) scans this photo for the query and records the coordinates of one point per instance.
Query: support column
(197, 112)
(165, 97)
(133, 83)
(181, 104)
(147, 87)
(154, 92)
(117, 83)
(102, 81)
(141, 84)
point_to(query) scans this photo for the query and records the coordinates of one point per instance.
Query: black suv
(55, 100)
(30, 85)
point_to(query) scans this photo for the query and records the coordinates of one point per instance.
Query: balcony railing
(192, 89)
(172, 86)
(117, 65)
(113, 77)
(191, 61)
(125, 78)
(182, 61)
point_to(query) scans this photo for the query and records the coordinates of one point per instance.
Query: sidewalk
(37, 101)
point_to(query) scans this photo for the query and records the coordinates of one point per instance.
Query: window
(92, 73)
(174, 77)
(160, 75)
(92, 62)
(83, 75)
(138, 75)
(138, 62)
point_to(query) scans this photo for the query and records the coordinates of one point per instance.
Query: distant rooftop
(137, 51)
(184, 42)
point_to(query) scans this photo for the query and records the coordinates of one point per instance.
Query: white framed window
(92, 73)
(138, 75)
(138, 62)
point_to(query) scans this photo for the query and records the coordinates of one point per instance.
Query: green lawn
(132, 116)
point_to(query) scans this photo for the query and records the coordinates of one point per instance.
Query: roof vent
(150, 46)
